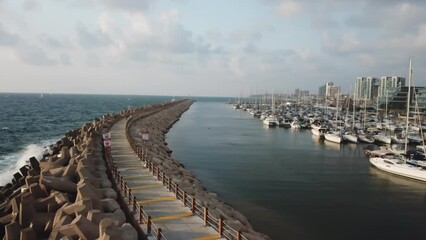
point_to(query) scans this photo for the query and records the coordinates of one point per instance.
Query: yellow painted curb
(157, 200)
(171, 217)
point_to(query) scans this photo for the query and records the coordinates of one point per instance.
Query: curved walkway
(168, 213)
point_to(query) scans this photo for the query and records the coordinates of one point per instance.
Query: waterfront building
(397, 99)
(366, 88)
(389, 82)
(321, 91)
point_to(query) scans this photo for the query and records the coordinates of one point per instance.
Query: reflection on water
(381, 177)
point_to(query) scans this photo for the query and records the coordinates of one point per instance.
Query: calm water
(292, 186)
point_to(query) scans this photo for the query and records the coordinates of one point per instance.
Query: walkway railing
(196, 207)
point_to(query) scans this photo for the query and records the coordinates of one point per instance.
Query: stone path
(168, 213)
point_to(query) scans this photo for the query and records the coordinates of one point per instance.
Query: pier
(164, 216)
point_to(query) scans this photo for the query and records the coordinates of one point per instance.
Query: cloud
(341, 43)
(65, 59)
(34, 55)
(29, 4)
(7, 38)
(52, 42)
(129, 5)
(288, 9)
(234, 66)
(93, 39)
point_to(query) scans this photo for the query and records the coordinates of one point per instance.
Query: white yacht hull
(333, 137)
(400, 169)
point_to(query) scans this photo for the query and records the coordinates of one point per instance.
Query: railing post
(159, 234)
(129, 193)
(239, 235)
(184, 198)
(193, 205)
(205, 216)
(177, 190)
(148, 225)
(158, 174)
(163, 179)
(169, 183)
(140, 214)
(220, 226)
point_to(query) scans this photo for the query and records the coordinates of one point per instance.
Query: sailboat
(398, 164)
(271, 120)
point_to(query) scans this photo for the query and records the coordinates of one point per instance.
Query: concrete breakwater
(68, 194)
(159, 154)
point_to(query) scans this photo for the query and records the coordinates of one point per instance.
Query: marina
(288, 180)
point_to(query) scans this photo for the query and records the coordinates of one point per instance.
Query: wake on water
(14, 161)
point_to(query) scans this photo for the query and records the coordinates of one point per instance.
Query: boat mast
(410, 72)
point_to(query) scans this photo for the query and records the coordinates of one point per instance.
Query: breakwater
(187, 187)
(68, 192)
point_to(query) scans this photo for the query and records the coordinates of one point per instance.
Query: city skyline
(206, 48)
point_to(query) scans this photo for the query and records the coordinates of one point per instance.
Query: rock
(35, 165)
(28, 234)
(80, 227)
(61, 184)
(13, 231)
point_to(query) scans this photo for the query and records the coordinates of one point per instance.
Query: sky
(206, 47)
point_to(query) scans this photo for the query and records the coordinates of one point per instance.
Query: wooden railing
(196, 207)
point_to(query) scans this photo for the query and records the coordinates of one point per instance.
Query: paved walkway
(168, 213)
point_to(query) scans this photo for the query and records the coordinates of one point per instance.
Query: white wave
(4, 128)
(15, 161)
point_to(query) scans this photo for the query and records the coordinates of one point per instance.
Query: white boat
(285, 123)
(350, 137)
(398, 167)
(318, 130)
(271, 121)
(398, 138)
(414, 138)
(382, 138)
(295, 124)
(333, 136)
(365, 138)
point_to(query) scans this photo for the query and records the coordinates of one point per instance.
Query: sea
(288, 183)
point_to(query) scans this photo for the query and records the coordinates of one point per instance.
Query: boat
(318, 130)
(295, 124)
(333, 136)
(364, 137)
(350, 136)
(399, 165)
(285, 123)
(382, 138)
(398, 138)
(271, 121)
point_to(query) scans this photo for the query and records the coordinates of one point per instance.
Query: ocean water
(291, 185)
(29, 122)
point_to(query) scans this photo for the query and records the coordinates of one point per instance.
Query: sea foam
(14, 161)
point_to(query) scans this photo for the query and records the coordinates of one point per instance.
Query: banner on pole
(107, 144)
(106, 136)
(145, 135)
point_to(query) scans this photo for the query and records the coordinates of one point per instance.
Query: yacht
(271, 121)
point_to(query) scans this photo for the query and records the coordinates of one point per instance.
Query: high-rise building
(331, 90)
(386, 83)
(321, 91)
(366, 88)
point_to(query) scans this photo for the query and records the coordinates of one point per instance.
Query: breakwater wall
(69, 193)
(230, 223)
